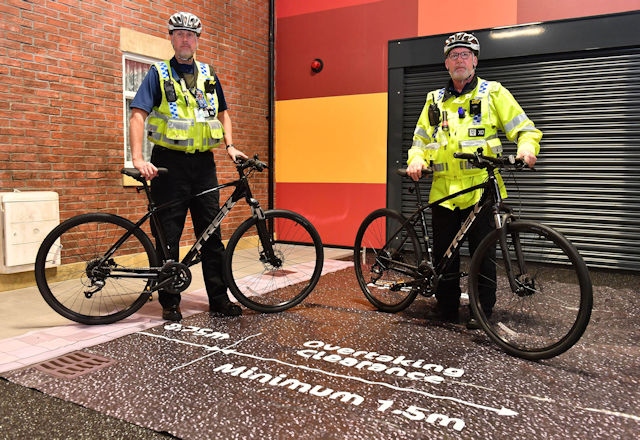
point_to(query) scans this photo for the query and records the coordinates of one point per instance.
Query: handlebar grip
(403, 172)
(255, 163)
(134, 173)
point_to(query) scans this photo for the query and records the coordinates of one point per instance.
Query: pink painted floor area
(44, 343)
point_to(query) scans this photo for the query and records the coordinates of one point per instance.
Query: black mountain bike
(108, 266)
(543, 288)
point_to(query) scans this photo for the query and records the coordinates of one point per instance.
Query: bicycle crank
(174, 278)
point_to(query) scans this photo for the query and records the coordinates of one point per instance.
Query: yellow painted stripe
(339, 139)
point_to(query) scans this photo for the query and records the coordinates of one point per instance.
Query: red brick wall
(61, 93)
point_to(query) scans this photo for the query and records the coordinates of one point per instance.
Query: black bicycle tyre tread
(313, 281)
(57, 232)
(586, 292)
(381, 306)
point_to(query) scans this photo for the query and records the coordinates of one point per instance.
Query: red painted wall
(350, 40)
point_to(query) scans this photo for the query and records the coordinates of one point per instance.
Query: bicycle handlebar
(479, 160)
(241, 164)
(255, 163)
(403, 172)
(134, 173)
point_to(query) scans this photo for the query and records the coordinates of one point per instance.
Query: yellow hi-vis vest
(186, 121)
(474, 119)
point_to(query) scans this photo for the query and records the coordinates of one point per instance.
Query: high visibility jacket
(474, 119)
(186, 120)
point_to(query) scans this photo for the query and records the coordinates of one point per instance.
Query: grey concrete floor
(187, 380)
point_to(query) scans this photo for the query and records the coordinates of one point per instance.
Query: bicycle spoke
(386, 256)
(83, 288)
(276, 281)
(550, 309)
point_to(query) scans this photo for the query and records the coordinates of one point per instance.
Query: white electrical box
(26, 218)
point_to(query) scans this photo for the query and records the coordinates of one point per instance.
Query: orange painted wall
(330, 127)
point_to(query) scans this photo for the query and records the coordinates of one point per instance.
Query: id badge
(201, 115)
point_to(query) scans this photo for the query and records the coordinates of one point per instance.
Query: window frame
(127, 97)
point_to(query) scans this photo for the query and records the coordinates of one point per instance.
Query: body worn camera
(434, 114)
(170, 91)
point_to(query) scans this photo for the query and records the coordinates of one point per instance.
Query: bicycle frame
(192, 257)
(491, 199)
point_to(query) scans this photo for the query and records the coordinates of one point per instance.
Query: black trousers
(446, 224)
(190, 174)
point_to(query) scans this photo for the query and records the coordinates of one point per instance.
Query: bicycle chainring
(429, 281)
(174, 278)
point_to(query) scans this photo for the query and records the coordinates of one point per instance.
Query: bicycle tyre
(381, 263)
(261, 285)
(77, 244)
(551, 314)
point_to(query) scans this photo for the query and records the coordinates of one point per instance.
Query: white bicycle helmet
(462, 39)
(185, 21)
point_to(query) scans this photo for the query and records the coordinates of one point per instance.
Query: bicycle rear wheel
(273, 285)
(84, 289)
(549, 309)
(386, 255)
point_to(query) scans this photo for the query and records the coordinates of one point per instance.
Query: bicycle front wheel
(548, 308)
(386, 255)
(84, 287)
(274, 281)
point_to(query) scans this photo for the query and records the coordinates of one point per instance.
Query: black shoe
(171, 313)
(226, 308)
(473, 324)
(438, 315)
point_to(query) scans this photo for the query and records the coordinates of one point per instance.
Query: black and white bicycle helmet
(185, 21)
(462, 39)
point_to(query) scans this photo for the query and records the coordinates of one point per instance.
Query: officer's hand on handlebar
(234, 153)
(414, 170)
(147, 169)
(528, 157)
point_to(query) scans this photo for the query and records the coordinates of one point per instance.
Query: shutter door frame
(579, 81)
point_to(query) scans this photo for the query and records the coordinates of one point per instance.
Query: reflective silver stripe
(157, 137)
(440, 167)
(421, 132)
(512, 124)
(418, 144)
(465, 165)
(473, 143)
(528, 128)
(211, 142)
(155, 114)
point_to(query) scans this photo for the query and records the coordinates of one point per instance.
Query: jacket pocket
(178, 129)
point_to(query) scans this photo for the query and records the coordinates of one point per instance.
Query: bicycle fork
(521, 283)
(267, 255)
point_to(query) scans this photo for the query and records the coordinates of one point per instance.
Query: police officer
(462, 117)
(186, 116)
